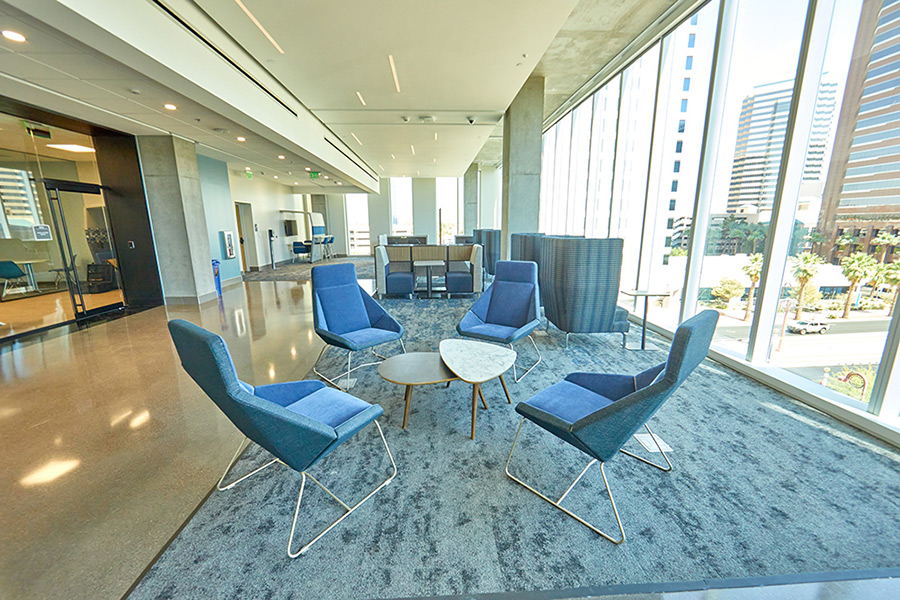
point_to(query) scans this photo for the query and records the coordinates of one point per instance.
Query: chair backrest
(514, 294)
(338, 305)
(300, 248)
(293, 438)
(429, 252)
(605, 431)
(10, 270)
(459, 252)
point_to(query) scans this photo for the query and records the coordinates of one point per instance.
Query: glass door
(89, 265)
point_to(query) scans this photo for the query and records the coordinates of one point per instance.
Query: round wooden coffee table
(412, 369)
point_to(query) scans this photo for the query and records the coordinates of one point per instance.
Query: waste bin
(215, 266)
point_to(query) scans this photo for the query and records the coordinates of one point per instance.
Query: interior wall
(424, 196)
(336, 222)
(491, 193)
(267, 199)
(380, 212)
(220, 214)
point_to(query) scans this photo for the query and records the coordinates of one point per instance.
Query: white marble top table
(476, 363)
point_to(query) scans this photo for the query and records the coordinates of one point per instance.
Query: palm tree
(814, 238)
(734, 230)
(846, 242)
(857, 267)
(878, 277)
(756, 232)
(806, 265)
(753, 270)
(884, 240)
(892, 277)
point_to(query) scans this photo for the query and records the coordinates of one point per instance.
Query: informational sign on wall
(42, 233)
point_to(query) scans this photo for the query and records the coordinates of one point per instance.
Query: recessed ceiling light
(392, 156)
(276, 177)
(295, 183)
(356, 138)
(71, 147)
(13, 36)
(326, 176)
(281, 157)
(170, 107)
(413, 149)
(259, 25)
(434, 160)
(241, 138)
(307, 169)
(394, 72)
(435, 136)
(361, 101)
(339, 183)
(246, 168)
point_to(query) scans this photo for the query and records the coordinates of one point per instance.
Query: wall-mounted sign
(42, 233)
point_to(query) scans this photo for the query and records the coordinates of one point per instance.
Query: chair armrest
(608, 385)
(546, 420)
(469, 320)
(334, 339)
(645, 378)
(525, 330)
(287, 393)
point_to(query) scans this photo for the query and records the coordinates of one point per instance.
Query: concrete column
(490, 197)
(424, 196)
(522, 162)
(470, 199)
(172, 184)
(380, 212)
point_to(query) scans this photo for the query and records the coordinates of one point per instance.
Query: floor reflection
(109, 446)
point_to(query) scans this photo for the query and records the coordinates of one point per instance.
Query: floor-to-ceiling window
(358, 224)
(401, 206)
(447, 190)
(794, 185)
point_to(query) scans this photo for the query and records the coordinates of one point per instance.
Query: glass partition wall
(57, 257)
(780, 140)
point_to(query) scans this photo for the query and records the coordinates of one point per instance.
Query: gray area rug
(762, 485)
(365, 269)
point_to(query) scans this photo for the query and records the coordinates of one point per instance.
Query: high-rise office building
(862, 193)
(760, 142)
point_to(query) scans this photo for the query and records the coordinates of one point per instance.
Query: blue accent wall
(219, 208)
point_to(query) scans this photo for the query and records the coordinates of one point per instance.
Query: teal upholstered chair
(347, 317)
(598, 413)
(299, 423)
(508, 310)
(11, 272)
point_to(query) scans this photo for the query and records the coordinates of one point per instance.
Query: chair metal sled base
(303, 476)
(644, 460)
(557, 503)
(334, 381)
(516, 378)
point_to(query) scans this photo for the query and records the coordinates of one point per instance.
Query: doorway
(246, 235)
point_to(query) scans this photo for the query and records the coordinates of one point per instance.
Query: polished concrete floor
(108, 446)
(21, 314)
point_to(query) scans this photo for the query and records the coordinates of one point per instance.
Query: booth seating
(395, 272)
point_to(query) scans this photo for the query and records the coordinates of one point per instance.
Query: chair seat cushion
(489, 331)
(329, 406)
(370, 336)
(459, 281)
(567, 401)
(400, 282)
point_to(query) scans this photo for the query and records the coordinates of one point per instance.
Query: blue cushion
(370, 336)
(328, 406)
(343, 308)
(284, 394)
(459, 281)
(400, 282)
(568, 401)
(488, 331)
(510, 303)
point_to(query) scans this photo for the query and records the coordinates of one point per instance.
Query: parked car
(804, 327)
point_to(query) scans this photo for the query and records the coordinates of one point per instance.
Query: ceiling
(456, 62)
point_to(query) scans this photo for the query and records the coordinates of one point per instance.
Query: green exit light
(313, 174)
(249, 174)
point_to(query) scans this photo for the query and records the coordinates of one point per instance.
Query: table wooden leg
(481, 395)
(475, 391)
(408, 398)
(505, 391)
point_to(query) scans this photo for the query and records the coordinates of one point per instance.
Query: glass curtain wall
(401, 206)
(626, 163)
